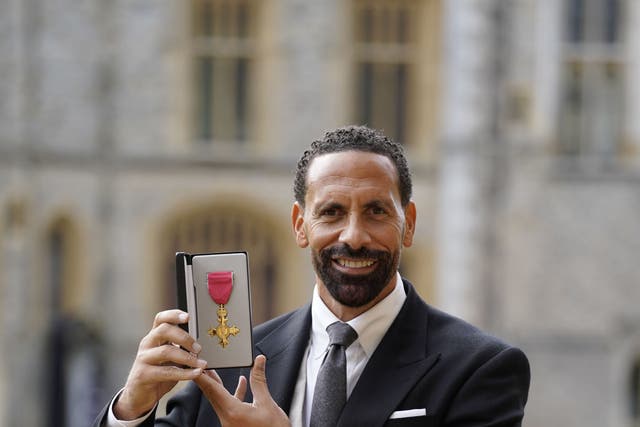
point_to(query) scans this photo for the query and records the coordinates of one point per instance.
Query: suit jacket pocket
(422, 421)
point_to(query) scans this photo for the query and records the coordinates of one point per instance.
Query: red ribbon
(220, 284)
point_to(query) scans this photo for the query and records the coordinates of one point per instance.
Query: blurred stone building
(133, 129)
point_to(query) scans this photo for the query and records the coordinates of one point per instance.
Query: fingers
(232, 410)
(175, 317)
(241, 389)
(162, 347)
(170, 354)
(162, 374)
(159, 364)
(213, 374)
(169, 333)
(258, 381)
(212, 388)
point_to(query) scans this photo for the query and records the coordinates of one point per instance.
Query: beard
(355, 290)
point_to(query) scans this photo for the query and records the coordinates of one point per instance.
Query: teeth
(354, 264)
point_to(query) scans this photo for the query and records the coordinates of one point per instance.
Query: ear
(409, 224)
(297, 221)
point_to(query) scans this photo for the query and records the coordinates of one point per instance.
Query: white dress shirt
(112, 421)
(371, 327)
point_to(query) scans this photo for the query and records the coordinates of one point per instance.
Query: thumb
(258, 381)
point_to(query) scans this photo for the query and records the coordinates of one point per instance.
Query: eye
(331, 212)
(377, 210)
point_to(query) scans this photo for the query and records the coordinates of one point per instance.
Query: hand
(159, 365)
(232, 411)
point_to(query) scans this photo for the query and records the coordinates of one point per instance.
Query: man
(407, 364)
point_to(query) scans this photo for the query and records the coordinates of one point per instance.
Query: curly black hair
(354, 138)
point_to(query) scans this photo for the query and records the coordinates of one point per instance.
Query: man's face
(355, 225)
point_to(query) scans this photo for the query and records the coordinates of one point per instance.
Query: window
(592, 75)
(386, 54)
(219, 230)
(224, 34)
(73, 354)
(62, 283)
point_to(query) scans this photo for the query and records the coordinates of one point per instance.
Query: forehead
(351, 170)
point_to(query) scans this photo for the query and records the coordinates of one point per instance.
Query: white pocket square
(408, 413)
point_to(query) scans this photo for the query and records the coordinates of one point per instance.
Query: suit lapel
(284, 348)
(398, 363)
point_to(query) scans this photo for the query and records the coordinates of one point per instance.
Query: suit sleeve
(494, 395)
(184, 410)
(188, 407)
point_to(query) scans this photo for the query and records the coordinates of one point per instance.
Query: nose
(355, 233)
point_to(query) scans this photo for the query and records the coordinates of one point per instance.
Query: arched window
(223, 46)
(73, 361)
(222, 229)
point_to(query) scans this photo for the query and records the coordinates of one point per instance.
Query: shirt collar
(370, 325)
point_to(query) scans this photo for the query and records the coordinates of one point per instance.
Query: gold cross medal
(220, 285)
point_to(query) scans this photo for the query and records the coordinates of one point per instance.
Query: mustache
(344, 250)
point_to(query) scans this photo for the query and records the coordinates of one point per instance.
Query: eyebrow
(328, 205)
(378, 203)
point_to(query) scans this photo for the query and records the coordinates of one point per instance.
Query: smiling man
(367, 350)
(353, 219)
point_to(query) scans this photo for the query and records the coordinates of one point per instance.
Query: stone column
(468, 121)
(20, 346)
(21, 338)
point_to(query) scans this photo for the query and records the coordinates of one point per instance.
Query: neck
(346, 313)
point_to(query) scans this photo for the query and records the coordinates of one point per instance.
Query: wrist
(126, 409)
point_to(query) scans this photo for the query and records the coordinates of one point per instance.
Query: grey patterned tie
(330, 393)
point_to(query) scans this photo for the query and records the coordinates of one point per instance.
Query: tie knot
(341, 334)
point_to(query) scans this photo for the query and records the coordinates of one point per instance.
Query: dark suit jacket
(428, 359)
